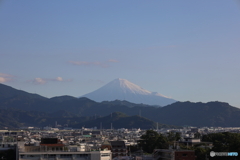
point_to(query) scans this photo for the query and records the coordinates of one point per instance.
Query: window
(82, 155)
(52, 156)
(184, 155)
(105, 155)
(33, 156)
(65, 156)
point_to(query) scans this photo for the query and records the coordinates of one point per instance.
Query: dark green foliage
(173, 136)
(153, 140)
(197, 135)
(224, 142)
(150, 141)
(202, 153)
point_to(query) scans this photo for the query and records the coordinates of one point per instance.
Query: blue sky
(187, 50)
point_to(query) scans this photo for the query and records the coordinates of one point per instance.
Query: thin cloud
(5, 77)
(3, 80)
(59, 79)
(39, 81)
(46, 80)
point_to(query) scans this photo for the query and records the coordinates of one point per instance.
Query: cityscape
(76, 128)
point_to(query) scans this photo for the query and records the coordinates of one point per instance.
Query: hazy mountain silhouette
(122, 89)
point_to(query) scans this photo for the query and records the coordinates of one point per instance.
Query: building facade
(53, 149)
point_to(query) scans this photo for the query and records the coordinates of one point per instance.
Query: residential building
(53, 149)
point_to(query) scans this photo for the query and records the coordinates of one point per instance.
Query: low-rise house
(118, 148)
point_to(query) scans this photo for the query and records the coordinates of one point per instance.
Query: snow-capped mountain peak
(127, 86)
(122, 89)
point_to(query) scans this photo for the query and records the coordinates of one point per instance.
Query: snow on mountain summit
(122, 89)
(129, 86)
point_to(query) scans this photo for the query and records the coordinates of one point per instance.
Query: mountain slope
(180, 113)
(9, 92)
(121, 89)
(15, 118)
(13, 98)
(217, 114)
(21, 100)
(121, 120)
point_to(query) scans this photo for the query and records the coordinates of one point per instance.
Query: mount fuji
(122, 89)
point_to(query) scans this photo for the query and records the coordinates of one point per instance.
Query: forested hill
(218, 114)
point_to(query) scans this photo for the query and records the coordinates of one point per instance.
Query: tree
(197, 135)
(152, 140)
(148, 142)
(201, 153)
(224, 142)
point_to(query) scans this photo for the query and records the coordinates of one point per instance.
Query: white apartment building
(61, 155)
(59, 151)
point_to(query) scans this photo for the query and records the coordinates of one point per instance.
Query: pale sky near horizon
(187, 50)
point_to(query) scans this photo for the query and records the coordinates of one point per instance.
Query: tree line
(221, 142)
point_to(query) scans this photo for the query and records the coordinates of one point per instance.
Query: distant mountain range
(121, 120)
(13, 118)
(18, 108)
(122, 89)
